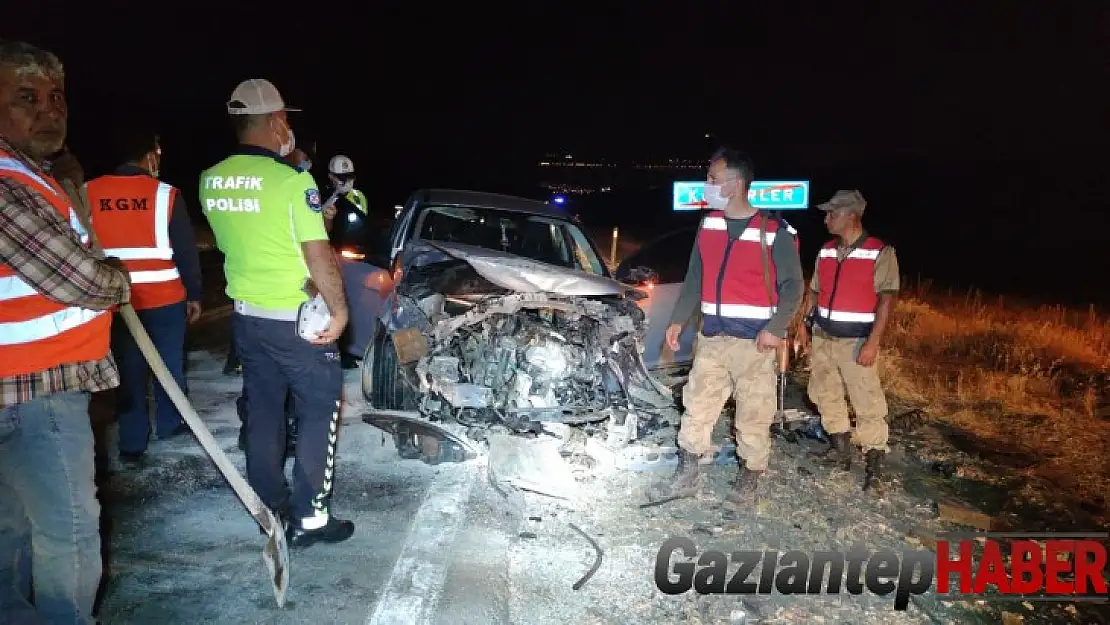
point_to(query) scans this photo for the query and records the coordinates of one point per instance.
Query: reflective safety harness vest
(734, 295)
(847, 299)
(131, 218)
(358, 199)
(37, 333)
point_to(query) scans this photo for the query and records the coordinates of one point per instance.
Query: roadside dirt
(803, 507)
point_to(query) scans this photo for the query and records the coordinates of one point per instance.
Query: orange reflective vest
(37, 333)
(131, 218)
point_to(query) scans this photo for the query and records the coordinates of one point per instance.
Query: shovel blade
(276, 556)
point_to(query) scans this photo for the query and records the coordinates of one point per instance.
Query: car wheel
(366, 368)
(382, 382)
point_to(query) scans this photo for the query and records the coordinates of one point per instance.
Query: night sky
(978, 134)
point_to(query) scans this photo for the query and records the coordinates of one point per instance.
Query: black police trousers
(276, 362)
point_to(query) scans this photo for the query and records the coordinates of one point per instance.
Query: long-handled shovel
(276, 552)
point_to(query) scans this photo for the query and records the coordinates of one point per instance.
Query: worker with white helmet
(345, 198)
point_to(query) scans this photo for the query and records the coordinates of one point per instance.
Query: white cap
(341, 165)
(256, 96)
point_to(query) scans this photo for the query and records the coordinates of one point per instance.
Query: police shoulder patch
(312, 198)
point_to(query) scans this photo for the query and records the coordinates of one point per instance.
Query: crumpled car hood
(524, 275)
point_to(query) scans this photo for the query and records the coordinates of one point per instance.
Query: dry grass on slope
(1015, 377)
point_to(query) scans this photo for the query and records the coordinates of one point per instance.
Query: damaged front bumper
(519, 361)
(495, 360)
(533, 358)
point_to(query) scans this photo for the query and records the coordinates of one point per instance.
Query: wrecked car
(500, 317)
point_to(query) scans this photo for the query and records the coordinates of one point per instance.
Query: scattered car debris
(532, 466)
(947, 468)
(910, 420)
(414, 437)
(597, 561)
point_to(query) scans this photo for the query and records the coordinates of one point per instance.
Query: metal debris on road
(597, 562)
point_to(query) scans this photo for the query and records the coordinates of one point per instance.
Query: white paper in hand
(312, 318)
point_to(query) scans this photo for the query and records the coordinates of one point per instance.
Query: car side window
(668, 257)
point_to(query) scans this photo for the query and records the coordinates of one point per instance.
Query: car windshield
(553, 241)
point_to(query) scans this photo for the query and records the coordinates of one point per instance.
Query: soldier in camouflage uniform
(854, 286)
(746, 278)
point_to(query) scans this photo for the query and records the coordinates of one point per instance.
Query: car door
(659, 268)
(367, 283)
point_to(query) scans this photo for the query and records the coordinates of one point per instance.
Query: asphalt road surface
(184, 550)
(181, 548)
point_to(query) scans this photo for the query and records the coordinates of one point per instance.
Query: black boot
(336, 530)
(684, 483)
(873, 471)
(743, 496)
(839, 454)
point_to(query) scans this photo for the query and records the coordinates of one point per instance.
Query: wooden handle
(242, 488)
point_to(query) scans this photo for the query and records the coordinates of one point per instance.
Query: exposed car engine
(494, 357)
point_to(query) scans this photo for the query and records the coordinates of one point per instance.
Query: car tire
(382, 383)
(366, 368)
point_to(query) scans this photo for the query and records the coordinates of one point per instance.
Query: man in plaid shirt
(55, 294)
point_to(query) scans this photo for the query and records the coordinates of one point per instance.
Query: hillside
(1020, 388)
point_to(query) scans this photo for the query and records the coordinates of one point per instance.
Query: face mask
(714, 198)
(289, 144)
(306, 165)
(343, 185)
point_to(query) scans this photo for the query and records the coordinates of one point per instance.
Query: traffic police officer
(745, 272)
(341, 174)
(854, 286)
(144, 222)
(266, 217)
(346, 204)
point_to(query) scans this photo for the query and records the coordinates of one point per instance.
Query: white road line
(413, 589)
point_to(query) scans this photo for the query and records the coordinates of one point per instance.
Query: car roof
(481, 199)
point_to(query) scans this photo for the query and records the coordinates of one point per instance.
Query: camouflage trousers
(726, 366)
(833, 368)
